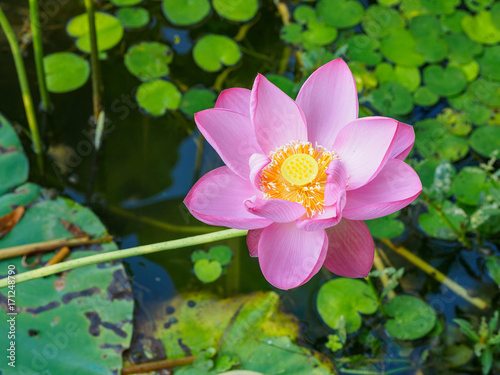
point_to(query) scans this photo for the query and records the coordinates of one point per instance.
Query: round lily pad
(425, 97)
(470, 69)
(425, 26)
(379, 21)
(461, 49)
(222, 254)
(155, 97)
(399, 47)
(486, 141)
(148, 60)
(65, 71)
(392, 99)
(236, 10)
(292, 33)
(409, 77)
(185, 12)
(441, 6)
(196, 100)
(453, 21)
(433, 49)
(477, 5)
(340, 13)
(211, 52)
(445, 82)
(489, 63)
(433, 224)
(474, 112)
(133, 18)
(125, 3)
(412, 317)
(304, 14)
(495, 15)
(388, 3)
(344, 299)
(363, 48)
(485, 91)
(108, 28)
(386, 227)
(207, 271)
(469, 184)
(481, 28)
(318, 34)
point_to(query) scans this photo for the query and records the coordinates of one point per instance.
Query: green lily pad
(445, 82)
(211, 52)
(318, 34)
(196, 100)
(478, 5)
(392, 99)
(292, 33)
(108, 28)
(486, 141)
(433, 49)
(481, 28)
(409, 77)
(222, 254)
(236, 10)
(65, 71)
(388, 3)
(470, 69)
(425, 26)
(125, 3)
(13, 163)
(284, 84)
(436, 177)
(495, 15)
(156, 97)
(453, 21)
(362, 76)
(362, 48)
(461, 49)
(340, 13)
(379, 21)
(344, 299)
(425, 97)
(207, 271)
(455, 122)
(474, 112)
(489, 63)
(148, 60)
(399, 47)
(485, 91)
(386, 227)
(133, 18)
(412, 8)
(469, 184)
(412, 317)
(432, 223)
(185, 12)
(440, 6)
(304, 14)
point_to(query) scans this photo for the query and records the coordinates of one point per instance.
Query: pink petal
(321, 260)
(350, 249)
(395, 187)
(253, 238)
(276, 118)
(236, 99)
(327, 219)
(276, 210)
(336, 181)
(288, 255)
(257, 163)
(218, 199)
(364, 146)
(330, 101)
(231, 135)
(405, 138)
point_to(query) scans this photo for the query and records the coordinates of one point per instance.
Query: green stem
(439, 276)
(25, 89)
(38, 50)
(94, 61)
(120, 254)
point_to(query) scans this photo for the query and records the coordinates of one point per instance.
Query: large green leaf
(13, 162)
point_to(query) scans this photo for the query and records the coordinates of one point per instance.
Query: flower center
(297, 173)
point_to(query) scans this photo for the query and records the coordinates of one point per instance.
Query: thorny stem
(38, 50)
(25, 89)
(439, 276)
(120, 254)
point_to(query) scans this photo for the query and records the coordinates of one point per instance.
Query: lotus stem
(38, 50)
(120, 254)
(437, 275)
(141, 368)
(97, 86)
(380, 266)
(25, 89)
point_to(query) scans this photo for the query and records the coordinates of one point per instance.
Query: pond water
(147, 165)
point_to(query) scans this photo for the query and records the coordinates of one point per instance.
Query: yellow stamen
(297, 173)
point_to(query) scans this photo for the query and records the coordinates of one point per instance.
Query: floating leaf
(344, 299)
(469, 184)
(304, 14)
(318, 34)
(109, 31)
(65, 71)
(148, 60)
(434, 226)
(291, 33)
(425, 26)
(441, 6)
(475, 112)
(399, 47)
(425, 97)
(433, 49)
(196, 100)
(486, 141)
(133, 18)
(392, 99)
(340, 13)
(13, 162)
(222, 254)
(457, 355)
(477, 5)
(445, 82)
(453, 21)
(470, 69)
(207, 271)
(412, 317)
(125, 3)
(211, 52)
(185, 12)
(489, 63)
(486, 92)
(386, 226)
(379, 21)
(388, 3)
(362, 48)
(461, 49)
(481, 28)
(236, 10)
(155, 97)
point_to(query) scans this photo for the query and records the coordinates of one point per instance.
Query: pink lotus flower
(302, 175)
